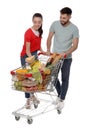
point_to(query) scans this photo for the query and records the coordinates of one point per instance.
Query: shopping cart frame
(50, 104)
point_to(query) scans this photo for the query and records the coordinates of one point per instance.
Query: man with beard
(66, 37)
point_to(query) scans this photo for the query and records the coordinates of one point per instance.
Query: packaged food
(29, 83)
(21, 74)
(50, 60)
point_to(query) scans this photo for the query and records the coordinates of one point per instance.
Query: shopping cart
(45, 91)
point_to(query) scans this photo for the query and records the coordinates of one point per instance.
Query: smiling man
(66, 37)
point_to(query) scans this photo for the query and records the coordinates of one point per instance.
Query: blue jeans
(65, 71)
(27, 95)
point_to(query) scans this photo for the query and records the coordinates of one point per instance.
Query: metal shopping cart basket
(43, 88)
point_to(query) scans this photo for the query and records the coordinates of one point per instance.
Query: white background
(15, 18)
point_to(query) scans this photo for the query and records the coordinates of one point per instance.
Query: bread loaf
(30, 59)
(57, 58)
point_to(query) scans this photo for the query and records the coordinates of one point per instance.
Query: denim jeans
(27, 95)
(65, 71)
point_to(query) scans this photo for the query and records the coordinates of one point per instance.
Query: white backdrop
(15, 18)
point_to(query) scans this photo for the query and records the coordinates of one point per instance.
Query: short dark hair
(66, 10)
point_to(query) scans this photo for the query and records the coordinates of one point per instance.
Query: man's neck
(67, 24)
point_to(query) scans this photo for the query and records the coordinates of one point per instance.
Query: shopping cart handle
(65, 56)
(41, 53)
(12, 73)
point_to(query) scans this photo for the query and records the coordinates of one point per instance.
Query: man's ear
(70, 16)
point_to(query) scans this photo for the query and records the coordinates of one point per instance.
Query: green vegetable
(37, 75)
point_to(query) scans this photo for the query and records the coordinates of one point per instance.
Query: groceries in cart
(35, 75)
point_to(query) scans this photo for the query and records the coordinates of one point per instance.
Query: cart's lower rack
(47, 104)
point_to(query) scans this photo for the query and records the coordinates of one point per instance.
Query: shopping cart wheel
(35, 106)
(17, 118)
(59, 111)
(29, 121)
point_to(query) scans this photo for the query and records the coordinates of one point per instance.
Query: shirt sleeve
(76, 33)
(52, 29)
(27, 36)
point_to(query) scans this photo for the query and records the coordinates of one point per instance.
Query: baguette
(50, 60)
(30, 59)
(57, 58)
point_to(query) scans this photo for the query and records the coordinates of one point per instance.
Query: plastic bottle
(28, 66)
(29, 76)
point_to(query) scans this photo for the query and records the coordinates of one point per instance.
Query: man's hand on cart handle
(48, 53)
(63, 54)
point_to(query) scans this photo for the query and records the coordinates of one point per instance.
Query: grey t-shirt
(63, 36)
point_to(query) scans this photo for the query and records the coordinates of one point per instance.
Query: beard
(64, 23)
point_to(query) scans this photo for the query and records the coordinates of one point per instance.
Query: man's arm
(73, 48)
(49, 39)
(42, 51)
